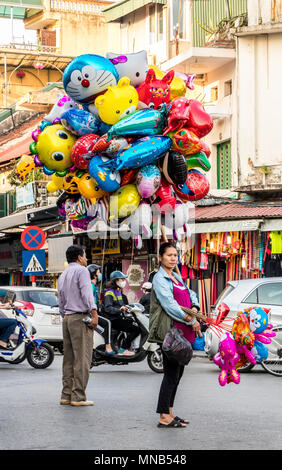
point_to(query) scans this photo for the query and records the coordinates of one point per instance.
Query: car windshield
(228, 289)
(49, 298)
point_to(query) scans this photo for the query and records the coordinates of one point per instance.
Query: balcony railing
(28, 47)
(76, 7)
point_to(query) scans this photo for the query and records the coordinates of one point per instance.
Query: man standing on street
(76, 302)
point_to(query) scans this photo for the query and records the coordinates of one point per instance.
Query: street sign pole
(33, 280)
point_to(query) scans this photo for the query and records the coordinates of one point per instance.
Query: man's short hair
(73, 252)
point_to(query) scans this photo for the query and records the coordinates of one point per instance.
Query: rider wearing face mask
(114, 310)
(96, 277)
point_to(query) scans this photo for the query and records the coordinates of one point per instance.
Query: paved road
(245, 416)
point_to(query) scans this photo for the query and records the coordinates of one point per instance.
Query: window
(228, 289)
(228, 88)
(160, 22)
(224, 165)
(267, 294)
(214, 94)
(152, 24)
(41, 297)
(179, 14)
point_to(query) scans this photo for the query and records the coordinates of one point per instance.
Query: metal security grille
(224, 165)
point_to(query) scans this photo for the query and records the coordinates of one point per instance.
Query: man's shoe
(82, 403)
(65, 402)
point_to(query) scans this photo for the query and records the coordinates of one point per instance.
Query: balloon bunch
(246, 343)
(126, 137)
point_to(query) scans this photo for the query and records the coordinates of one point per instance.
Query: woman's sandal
(173, 424)
(184, 421)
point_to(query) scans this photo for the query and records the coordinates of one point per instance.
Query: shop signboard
(24, 195)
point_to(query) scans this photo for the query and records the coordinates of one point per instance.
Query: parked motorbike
(38, 352)
(143, 349)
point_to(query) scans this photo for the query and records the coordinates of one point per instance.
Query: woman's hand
(123, 309)
(196, 327)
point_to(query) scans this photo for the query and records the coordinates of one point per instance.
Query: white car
(41, 307)
(239, 295)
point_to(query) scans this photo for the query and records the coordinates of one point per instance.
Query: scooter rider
(7, 327)
(96, 276)
(115, 309)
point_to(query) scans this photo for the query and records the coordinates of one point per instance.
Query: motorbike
(38, 352)
(143, 349)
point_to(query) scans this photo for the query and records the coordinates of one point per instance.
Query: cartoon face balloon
(25, 165)
(63, 104)
(54, 147)
(107, 178)
(70, 185)
(88, 187)
(118, 102)
(153, 93)
(87, 76)
(82, 150)
(148, 180)
(258, 320)
(134, 66)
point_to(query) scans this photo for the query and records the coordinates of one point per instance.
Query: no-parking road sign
(33, 238)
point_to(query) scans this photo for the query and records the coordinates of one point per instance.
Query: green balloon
(199, 160)
(32, 148)
(145, 122)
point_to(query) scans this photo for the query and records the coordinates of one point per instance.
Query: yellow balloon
(124, 201)
(177, 86)
(88, 187)
(54, 146)
(119, 101)
(55, 184)
(25, 165)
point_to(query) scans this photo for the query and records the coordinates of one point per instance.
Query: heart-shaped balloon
(199, 120)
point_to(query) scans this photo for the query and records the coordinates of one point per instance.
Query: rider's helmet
(117, 275)
(147, 286)
(93, 268)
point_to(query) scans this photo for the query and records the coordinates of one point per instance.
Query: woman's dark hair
(111, 285)
(73, 252)
(165, 246)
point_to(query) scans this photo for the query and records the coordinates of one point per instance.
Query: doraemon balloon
(107, 179)
(148, 179)
(80, 122)
(142, 152)
(87, 76)
(258, 320)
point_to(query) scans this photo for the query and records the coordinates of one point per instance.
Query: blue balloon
(87, 76)
(141, 152)
(258, 320)
(107, 178)
(80, 122)
(260, 351)
(145, 122)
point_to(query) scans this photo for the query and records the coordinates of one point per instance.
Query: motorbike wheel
(41, 357)
(155, 361)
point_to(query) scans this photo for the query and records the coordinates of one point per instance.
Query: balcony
(81, 6)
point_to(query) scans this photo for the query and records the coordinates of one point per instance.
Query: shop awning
(19, 9)
(33, 216)
(228, 226)
(123, 8)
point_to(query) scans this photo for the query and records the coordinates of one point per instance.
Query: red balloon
(196, 187)
(164, 198)
(199, 119)
(82, 151)
(127, 176)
